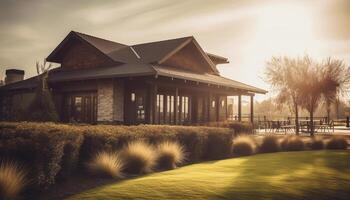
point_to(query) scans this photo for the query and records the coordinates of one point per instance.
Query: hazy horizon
(247, 32)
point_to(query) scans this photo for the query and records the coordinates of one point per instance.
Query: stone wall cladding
(118, 101)
(105, 100)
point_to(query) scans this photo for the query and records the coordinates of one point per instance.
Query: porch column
(239, 108)
(175, 105)
(252, 108)
(153, 104)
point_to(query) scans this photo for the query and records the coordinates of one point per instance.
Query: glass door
(138, 106)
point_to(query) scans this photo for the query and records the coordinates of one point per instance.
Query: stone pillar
(105, 93)
(118, 101)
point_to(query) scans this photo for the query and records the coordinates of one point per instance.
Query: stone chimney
(13, 75)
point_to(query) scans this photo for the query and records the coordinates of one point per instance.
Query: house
(165, 82)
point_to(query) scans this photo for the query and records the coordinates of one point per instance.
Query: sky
(247, 32)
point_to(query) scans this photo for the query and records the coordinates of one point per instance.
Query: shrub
(337, 143)
(241, 127)
(42, 107)
(219, 145)
(238, 127)
(139, 158)
(316, 144)
(12, 180)
(41, 146)
(170, 155)
(292, 143)
(54, 151)
(106, 164)
(269, 144)
(243, 146)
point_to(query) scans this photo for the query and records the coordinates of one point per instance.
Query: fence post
(347, 122)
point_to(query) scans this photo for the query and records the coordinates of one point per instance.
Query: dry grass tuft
(170, 155)
(316, 144)
(292, 143)
(337, 143)
(12, 180)
(106, 164)
(139, 158)
(243, 146)
(269, 144)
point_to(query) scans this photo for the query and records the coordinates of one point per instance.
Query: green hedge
(41, 148)
(237, 127)
(53, 151)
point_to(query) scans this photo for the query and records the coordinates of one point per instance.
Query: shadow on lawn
(319, 177)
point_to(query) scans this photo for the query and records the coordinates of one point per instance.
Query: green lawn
(288, 175)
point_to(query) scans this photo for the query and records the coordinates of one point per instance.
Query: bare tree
(42, 107)
(43, 73)
(281, 74)
(336, 79)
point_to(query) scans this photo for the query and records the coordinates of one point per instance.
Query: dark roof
(145, 53)
(205, 78)
(125, 70)
(217, 59)
(29, 83)
(14, 71)
(136, 60)
(155, 51)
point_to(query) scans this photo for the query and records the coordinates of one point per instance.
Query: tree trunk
(296, 119)
(312, 123)
(328, 113)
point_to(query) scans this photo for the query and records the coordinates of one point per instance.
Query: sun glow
(286, 29)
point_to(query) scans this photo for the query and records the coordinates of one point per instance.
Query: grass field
(287, 175)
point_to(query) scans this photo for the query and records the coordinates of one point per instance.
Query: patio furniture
(329, 127)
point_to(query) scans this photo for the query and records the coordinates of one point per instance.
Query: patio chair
(288, 127)
(323, 127)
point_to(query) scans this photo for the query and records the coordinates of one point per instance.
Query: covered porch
(169, 100)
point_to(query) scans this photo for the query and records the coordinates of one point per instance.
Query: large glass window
(170, 109)
(160, 108)
(77, 108)
(166, 108)
(184, 109)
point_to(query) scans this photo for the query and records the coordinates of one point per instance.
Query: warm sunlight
(161, 99)
(285, 28)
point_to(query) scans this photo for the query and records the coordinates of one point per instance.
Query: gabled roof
(137, 60)
(154, 52)
(146, 53)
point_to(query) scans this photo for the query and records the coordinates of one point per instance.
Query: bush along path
(284, 175)
(51, 152)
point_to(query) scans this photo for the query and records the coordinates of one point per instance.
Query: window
(140, 111)
(78, 109)
(160, 108)
(132, 97)
(184, 109)
(170, 109)
(213, 104)
(222, 103)
(166, 108)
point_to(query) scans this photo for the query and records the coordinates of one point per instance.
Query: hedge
(53, 151)
(237, 127)
(41, 148)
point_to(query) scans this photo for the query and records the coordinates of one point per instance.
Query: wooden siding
(81, 55)
(189, 58)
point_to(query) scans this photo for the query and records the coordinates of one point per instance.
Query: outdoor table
(276, 125)
(306, 123)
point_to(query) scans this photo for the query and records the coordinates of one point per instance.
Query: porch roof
(206, 78)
